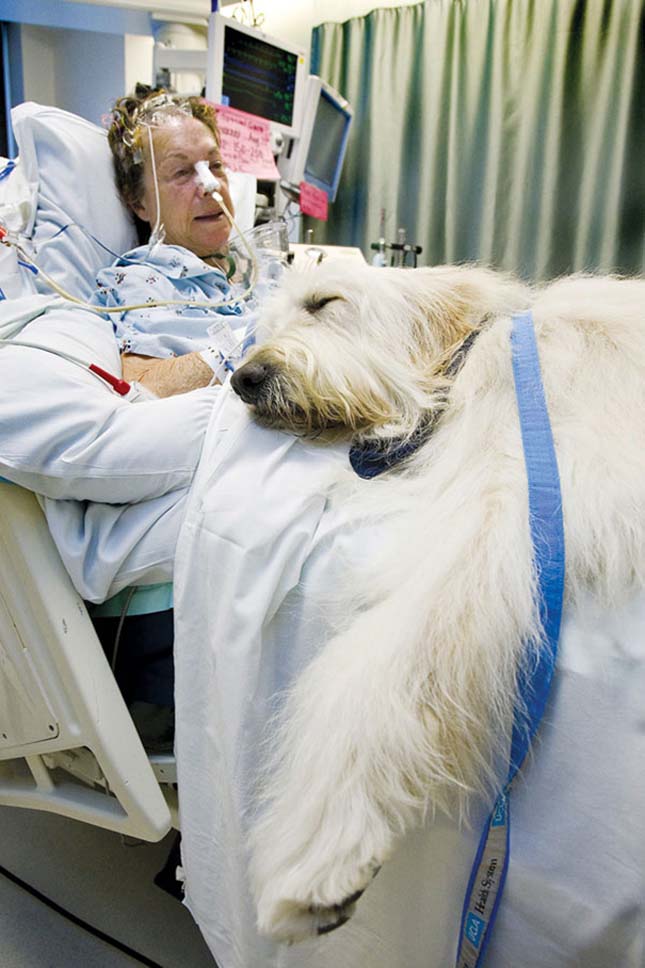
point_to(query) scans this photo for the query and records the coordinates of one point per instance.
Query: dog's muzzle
(250, 380)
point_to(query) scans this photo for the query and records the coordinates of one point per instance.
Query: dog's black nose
(248, 381)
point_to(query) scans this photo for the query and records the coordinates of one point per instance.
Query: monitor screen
(254, 73)
(257, 77)
(317, 154)
(327, 145)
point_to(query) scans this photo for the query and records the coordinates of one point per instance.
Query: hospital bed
(67, 742)
(262, 548)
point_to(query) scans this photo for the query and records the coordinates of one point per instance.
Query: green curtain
(508, 132)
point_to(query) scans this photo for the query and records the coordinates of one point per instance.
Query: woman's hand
(177, 374)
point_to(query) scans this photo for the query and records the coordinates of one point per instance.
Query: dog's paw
(291, 921)
(310, 864)
(313, 856)
(335, 917)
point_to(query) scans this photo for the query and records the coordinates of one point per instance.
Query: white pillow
(243, 188)
(68, 164)
(17, 205)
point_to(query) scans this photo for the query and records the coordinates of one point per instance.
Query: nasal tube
(207, 180)
(212, 186)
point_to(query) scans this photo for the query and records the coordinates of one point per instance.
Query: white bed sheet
(260, 552)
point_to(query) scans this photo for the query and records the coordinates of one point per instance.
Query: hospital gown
(167, 272)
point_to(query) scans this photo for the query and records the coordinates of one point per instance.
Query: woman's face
(190, 217)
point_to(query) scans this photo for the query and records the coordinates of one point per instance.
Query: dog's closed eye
(313, 304)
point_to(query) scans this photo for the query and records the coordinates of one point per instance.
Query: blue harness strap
(8, 168)
(488, 874)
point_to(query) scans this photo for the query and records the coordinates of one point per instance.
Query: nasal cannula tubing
(211, 185)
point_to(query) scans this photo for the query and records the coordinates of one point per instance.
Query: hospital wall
(65, 56)
(294, 21)
(81, 70)
(70, 55)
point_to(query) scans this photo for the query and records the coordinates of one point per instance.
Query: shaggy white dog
(409, 708)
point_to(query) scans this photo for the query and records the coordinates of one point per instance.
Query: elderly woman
(156, 141)
(186, 324)
(115, 476)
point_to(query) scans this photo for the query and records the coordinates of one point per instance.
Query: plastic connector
(122, 387)
(138, 393)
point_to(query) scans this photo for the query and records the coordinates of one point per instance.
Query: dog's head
(348, 349)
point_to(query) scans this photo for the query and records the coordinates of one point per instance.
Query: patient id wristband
(223, 345)
(488, 874)
(217, 362)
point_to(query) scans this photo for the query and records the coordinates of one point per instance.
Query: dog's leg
(400, 712)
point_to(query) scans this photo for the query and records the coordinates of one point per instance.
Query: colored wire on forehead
(156, 110)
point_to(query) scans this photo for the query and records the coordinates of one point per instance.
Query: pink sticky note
(313, 201)
(246, 143)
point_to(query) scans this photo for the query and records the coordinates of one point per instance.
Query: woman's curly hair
(129, 116)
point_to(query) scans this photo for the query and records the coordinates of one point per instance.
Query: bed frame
(67, 742)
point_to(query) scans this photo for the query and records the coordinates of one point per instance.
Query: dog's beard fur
(410, 707)
(283, 403)
(331, 402)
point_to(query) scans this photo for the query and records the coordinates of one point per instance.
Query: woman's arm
(65, 434)
(166, 377)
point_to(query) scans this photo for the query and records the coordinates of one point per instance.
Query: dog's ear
(452, 300)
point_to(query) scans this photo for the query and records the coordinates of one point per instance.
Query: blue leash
(488, 874)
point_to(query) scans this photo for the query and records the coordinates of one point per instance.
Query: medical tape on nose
(207, 179)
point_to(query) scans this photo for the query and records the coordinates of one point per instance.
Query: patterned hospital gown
(169, 272)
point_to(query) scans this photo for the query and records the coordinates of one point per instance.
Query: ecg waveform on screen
(258, 77)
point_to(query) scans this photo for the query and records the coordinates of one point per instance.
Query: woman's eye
(182, 173)
(217, 166)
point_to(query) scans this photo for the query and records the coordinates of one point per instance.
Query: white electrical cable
(129, 390)
(118, 384)
(157, 235)
(102, 310)
(48, 349)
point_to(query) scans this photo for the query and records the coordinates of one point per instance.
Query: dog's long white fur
(409, 708)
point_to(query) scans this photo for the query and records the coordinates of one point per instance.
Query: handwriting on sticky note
(313, 201)
(246, 142)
